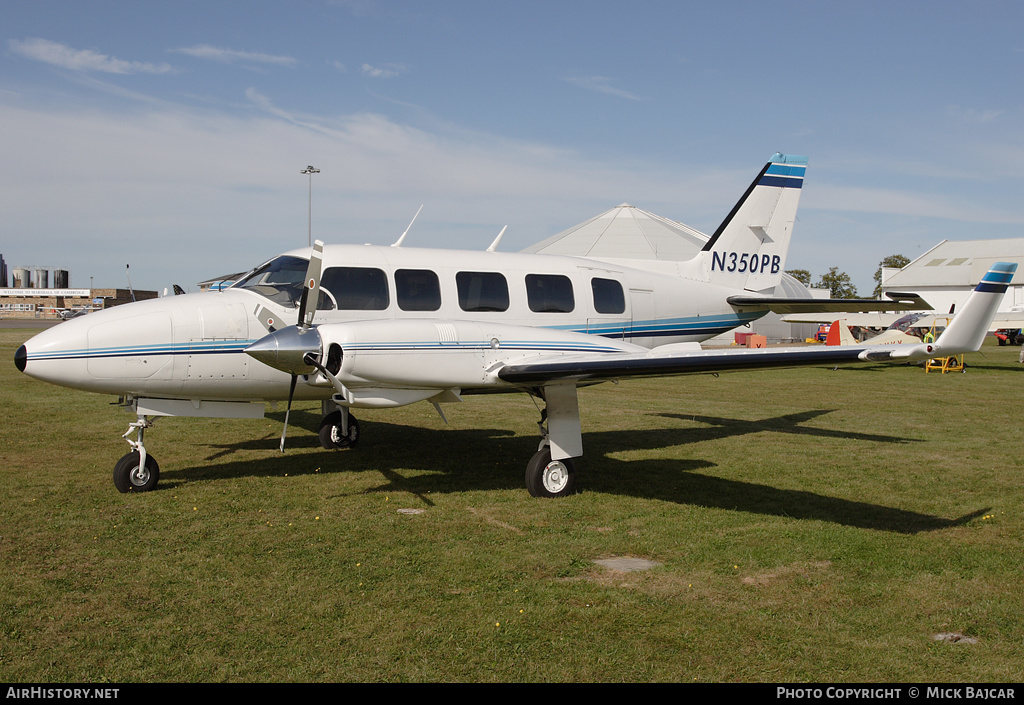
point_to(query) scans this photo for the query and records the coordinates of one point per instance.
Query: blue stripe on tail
(997, 278)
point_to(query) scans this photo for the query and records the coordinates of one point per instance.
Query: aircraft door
(641, 306)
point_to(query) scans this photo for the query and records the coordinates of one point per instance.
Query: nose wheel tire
(331, 436)
(550, 478)
(131, 476)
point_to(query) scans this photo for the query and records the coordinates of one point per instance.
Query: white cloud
(231, 56)
(80, 59)
(385, 71)
(201, 193)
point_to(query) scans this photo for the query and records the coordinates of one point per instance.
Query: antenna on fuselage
(494, 245)
(398, 243)
(129, 275)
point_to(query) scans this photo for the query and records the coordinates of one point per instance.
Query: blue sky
(170, 136)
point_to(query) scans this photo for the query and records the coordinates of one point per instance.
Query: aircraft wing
(1003, 319)
(1008, 319)
(864, 320)
(965, 333)
(898, 302)
(678, 361)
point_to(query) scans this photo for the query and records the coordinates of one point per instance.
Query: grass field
(808, 525)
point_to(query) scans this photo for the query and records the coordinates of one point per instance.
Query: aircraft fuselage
(455, 304)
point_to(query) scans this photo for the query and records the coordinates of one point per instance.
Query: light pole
(310, 170)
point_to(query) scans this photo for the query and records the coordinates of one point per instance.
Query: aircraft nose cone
(21, 358)
(285, 349)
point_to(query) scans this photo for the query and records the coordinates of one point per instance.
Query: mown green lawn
(808, 525)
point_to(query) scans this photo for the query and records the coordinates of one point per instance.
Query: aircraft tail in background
(969, 326)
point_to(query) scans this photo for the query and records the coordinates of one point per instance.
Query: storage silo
(61, 279)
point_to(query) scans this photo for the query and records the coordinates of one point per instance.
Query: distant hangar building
(626, 232)
(945, 275)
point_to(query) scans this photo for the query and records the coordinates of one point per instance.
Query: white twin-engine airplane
(372, 327)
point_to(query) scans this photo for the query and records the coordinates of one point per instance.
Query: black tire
(1018, 339)
(550, 478)
(330, 432)
(129, 477)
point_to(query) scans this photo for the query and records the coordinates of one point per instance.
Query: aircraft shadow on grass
(424, 461)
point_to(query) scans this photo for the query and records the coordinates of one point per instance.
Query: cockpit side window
(280, 280)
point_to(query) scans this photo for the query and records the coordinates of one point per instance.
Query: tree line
(840, 285)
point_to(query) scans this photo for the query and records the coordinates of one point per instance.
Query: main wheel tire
(550, 478)
(129, 476)
(331, 437)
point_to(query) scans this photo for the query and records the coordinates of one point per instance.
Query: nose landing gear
(136, 471)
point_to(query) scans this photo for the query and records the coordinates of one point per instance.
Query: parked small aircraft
(839, 334)
(374, 327)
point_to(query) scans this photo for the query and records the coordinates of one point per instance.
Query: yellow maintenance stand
(943, 364)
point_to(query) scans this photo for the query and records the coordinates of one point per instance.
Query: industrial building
(28, 294)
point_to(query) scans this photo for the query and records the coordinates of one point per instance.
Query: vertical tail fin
(968, 329)
(839, 334)
(748, 250)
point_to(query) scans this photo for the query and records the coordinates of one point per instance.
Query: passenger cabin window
(549, 293)
(417, 290)
(482, 291)
(355, 289)
(608, 296)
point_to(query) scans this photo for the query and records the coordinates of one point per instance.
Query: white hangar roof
(628, 232)
(625, 232)
(959, 263)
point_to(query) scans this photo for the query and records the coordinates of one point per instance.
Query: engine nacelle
(442, 354)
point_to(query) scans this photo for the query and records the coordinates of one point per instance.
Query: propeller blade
(288, 410)
(310, 290)
(311, 287)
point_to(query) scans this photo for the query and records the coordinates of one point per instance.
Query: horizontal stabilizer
(899, 302)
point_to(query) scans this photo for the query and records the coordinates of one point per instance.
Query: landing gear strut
(136, 471)
(551, 472)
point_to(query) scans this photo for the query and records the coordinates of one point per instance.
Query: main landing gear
(551, 471)
(339, 429)
(550, 478)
